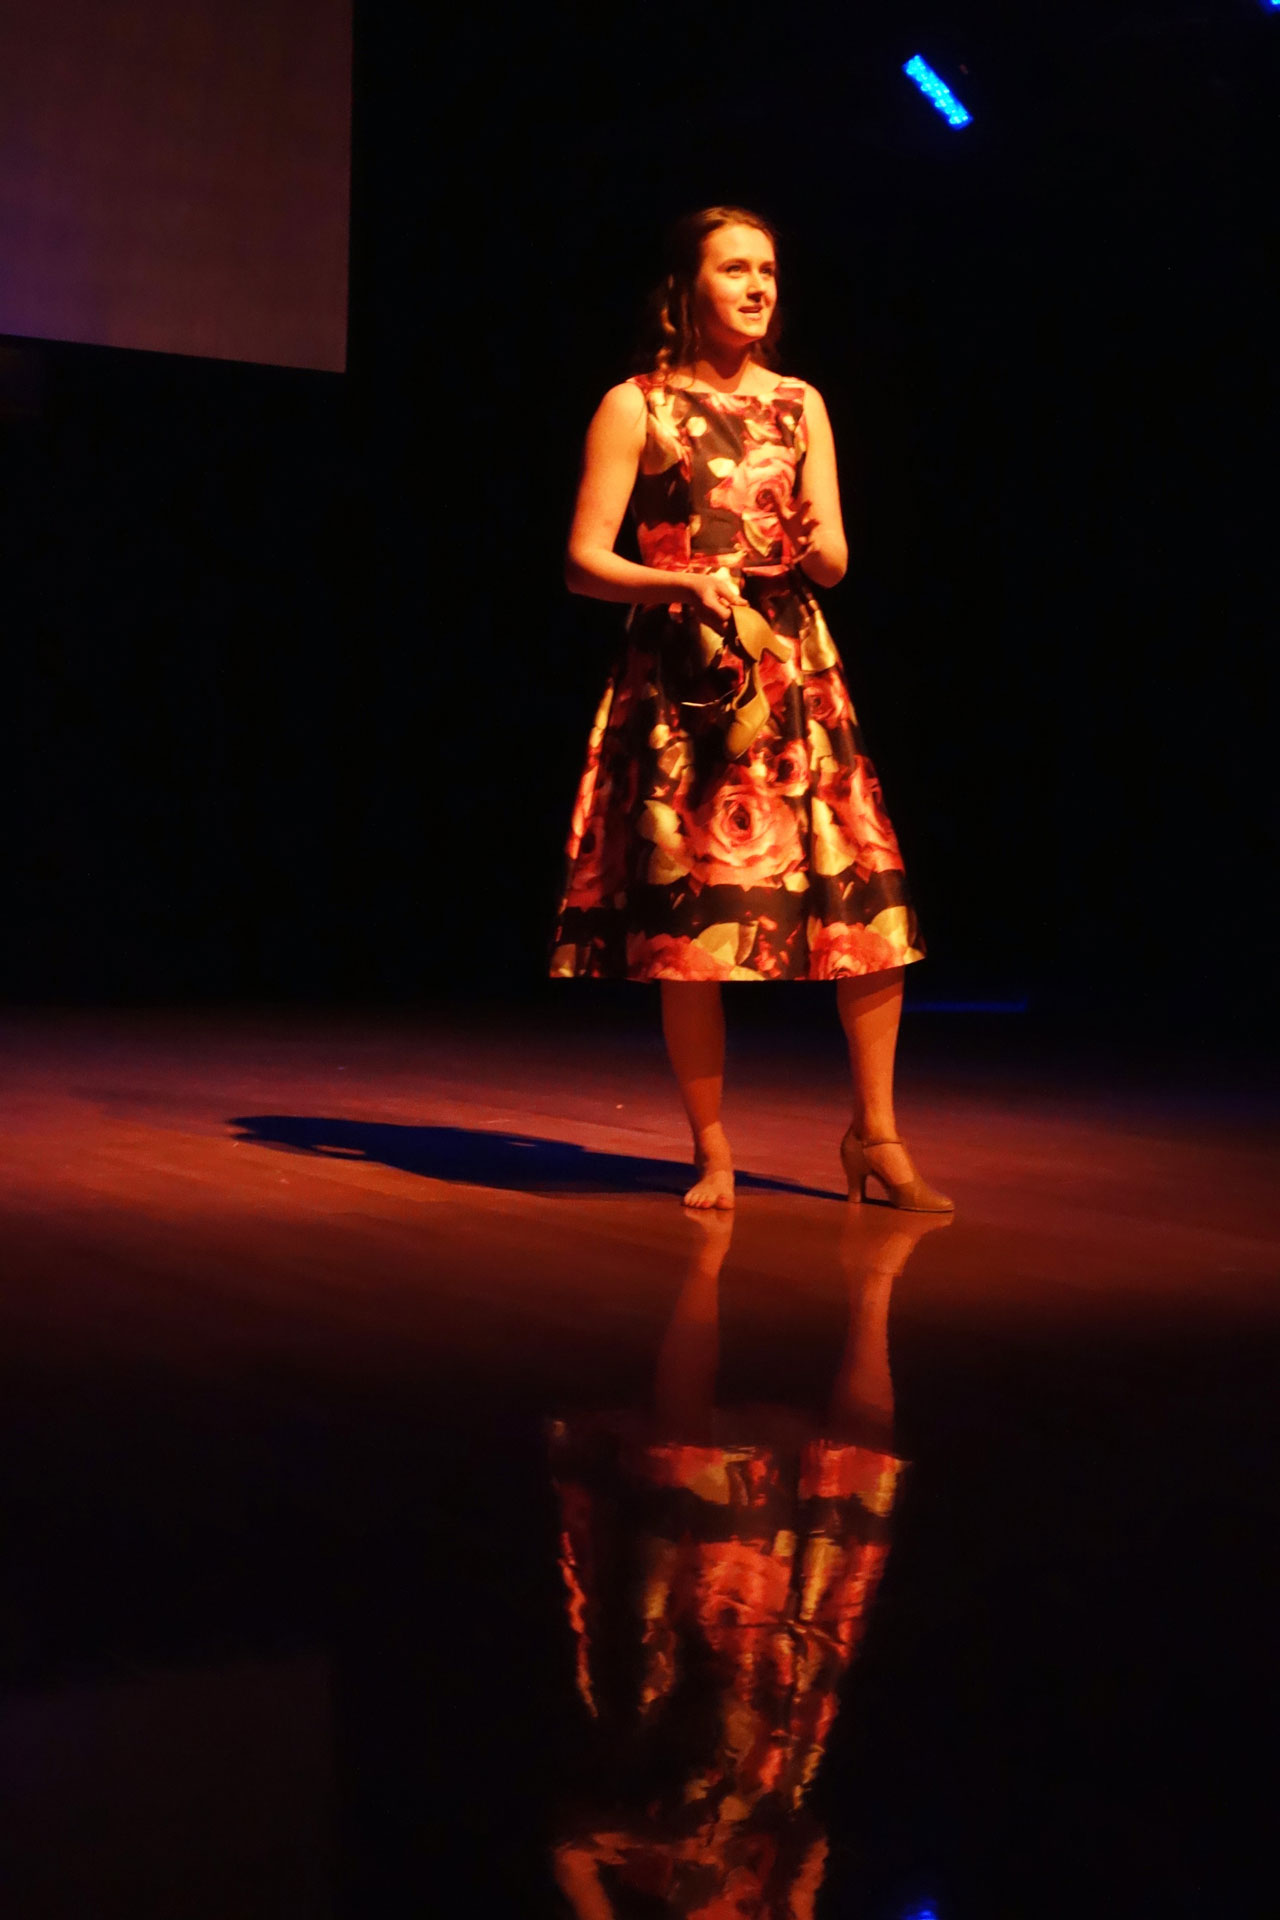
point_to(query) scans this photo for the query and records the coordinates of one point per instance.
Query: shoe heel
(854, 1163)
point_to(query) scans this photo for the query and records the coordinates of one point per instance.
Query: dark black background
(295, 699)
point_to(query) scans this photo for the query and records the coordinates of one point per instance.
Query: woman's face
(736, 290)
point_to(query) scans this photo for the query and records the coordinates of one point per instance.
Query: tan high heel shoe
(913, 1196)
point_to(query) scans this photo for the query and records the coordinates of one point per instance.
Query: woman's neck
(726, 368)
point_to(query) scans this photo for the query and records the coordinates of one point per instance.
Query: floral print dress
(685, 864)
(717, 1596)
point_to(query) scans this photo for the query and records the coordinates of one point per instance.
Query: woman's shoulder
(783, 386)
(625, 402)
(795, 388)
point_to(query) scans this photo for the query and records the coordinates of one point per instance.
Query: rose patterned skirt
(717, 1596)
(685, 865)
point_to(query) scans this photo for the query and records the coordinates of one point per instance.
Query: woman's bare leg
(685, 1389)
(875, 1246)
(693, 1027)
(862, 1392)
(870, 1007)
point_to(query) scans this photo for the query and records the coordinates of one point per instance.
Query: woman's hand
(714, 593)
(800, 528)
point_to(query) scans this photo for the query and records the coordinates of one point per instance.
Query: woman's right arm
(610, 462)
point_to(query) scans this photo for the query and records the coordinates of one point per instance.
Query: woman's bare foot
(715, 1166)
(715, 1232)
(877, 1242)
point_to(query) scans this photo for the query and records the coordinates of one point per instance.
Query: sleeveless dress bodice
(713, 468)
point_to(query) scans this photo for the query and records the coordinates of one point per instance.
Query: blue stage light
(936, 89)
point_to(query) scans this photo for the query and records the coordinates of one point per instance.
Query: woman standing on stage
(728, 823)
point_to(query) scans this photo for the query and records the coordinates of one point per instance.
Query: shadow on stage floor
(520, 1162)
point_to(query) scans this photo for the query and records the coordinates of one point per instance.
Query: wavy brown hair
(670, 335)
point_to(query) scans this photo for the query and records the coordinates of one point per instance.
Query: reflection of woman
(719, 1566)
(729, 824)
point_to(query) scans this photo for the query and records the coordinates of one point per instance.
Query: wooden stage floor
(288, 1299)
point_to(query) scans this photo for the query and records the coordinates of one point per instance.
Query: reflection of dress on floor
(717, 1594)
(681, 863)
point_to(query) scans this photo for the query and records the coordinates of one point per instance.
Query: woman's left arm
(826, 557)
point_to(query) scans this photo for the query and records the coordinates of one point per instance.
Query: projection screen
(174, 176)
